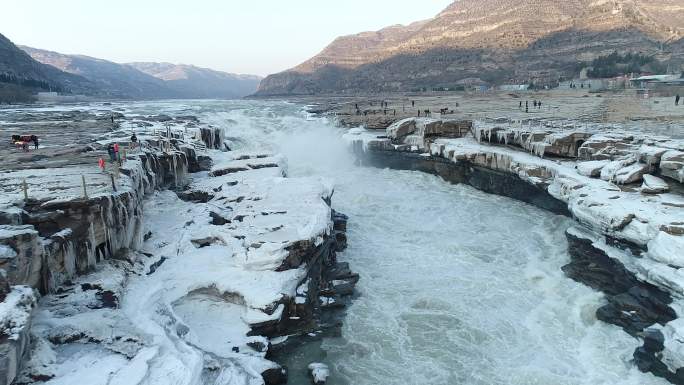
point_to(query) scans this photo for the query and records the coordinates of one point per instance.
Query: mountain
(148, 80)
(21, 74)
(112, 79)
(495, 40)
(196, 82)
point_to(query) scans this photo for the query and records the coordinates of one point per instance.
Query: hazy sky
(246, 36)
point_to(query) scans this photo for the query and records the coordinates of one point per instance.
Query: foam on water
(457, 287)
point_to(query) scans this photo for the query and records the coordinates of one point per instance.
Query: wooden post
(85, 190)
(25, 188)
(111, 176)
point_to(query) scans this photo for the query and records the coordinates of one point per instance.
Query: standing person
(112, 116)
(520, 105)
(527, 106)
(134, 141)
(110, 151)
(117, 156)
(677, 100)
(101, 163)
(35, 142)
(413, 103)
(539, 104)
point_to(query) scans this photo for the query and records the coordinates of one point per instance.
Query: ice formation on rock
(145, 285)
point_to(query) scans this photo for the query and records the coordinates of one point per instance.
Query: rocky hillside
(148, 80)
(196, 82)
(113, 79)
(22, 74)
(496, 40)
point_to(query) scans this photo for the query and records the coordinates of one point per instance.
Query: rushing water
(457, 286)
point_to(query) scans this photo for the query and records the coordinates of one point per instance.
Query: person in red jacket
(117, 155)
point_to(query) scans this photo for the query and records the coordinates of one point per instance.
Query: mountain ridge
(198, 82)
(147, 80)
(502, 40)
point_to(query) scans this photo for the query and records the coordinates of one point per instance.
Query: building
(649, 80)
(514, 87)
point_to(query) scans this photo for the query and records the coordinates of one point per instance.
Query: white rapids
(457, 286)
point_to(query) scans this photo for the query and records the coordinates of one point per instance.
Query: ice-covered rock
(673, 353)
(607, 146)
(21, 254)
(319, 373)
(668, 249)
(565, 144)
(417, 131)
(653, 185)
(624, 171)
(15, 312)
(402, 128)
(651, 155)
(672, 165)
(592, 168)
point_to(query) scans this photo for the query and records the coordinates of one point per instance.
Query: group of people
(22, 141)
(426, 112)
(114, 152)
(537, 104)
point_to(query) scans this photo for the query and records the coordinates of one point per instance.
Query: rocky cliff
(496, 40)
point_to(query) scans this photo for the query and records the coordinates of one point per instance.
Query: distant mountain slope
(17, 67)
(113, 79)
(196, 82)
(149, 80)
(497, 40)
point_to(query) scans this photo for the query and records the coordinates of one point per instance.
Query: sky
(247, 36)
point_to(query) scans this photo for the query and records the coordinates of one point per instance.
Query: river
(457, 286)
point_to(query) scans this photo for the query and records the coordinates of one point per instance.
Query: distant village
(644, 84)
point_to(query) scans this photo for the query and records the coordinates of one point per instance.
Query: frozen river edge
(188, 264)
(627, 240)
